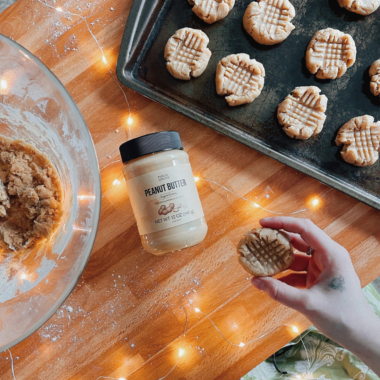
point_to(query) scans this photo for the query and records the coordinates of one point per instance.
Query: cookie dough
(211, 11)
(240, 78)
(269, 21)
(362, 7)
(374, 73)
(302, 113)
(265, 252)
(30, 196)
(360, 138)
(187, 54)
(330, 53)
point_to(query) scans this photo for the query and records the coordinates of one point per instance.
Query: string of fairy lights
(104, 59)
(314, 202)
(181, 352)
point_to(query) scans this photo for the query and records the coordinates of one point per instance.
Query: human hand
(325, 287)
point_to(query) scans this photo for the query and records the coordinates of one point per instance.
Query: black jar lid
(148, 144)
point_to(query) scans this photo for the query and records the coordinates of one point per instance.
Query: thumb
(281, 292)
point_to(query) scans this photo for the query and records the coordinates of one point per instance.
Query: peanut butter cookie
(360, 138)
(265, 252)
(269, 21)
(362, 7)
(240, 78)
(374, 73)
(211, 11)
(302, 113)
(187, 54)
(330, 53)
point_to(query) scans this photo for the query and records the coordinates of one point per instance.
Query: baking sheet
(141, 66)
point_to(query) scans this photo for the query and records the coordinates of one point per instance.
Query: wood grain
(128, 314)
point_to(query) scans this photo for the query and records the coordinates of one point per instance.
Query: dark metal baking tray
(141, 66)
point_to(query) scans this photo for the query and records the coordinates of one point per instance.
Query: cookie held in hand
(265, 252)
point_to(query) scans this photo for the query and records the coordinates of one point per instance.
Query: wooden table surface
(125, 317)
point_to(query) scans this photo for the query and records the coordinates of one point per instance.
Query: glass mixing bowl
(35, 107)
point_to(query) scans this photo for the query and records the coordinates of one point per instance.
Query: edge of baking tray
(137, 20)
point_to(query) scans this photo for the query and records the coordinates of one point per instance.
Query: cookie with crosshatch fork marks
(269, 21)
(265, 252)
(302, 113)
(374, 73)
(360, 138)
(240, 78)
(186, 53)
(211, 11)
(329, 53)
(362, 7)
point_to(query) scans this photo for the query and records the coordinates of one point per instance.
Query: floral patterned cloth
(325, 359)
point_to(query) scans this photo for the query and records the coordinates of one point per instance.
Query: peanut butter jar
(163, 193)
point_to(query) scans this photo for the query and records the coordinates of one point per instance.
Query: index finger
(310, 233)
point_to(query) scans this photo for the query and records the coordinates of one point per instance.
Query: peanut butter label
(164, 199)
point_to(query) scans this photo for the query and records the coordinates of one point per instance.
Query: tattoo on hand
(337, 284)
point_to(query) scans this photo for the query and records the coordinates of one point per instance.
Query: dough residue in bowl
(30, 196)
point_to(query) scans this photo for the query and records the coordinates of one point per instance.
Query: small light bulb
(121, 378)
(196, 179)
(59, 9)
(23, 276)
(3, 84)
(181, 352)
(241, 344)
(295, 329)
(315, 202)
(104, 59)
(256, 205)
(197, 310)
(130, 121)
(115, 182)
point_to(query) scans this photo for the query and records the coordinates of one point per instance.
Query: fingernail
(258, 283)
(265, 220)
